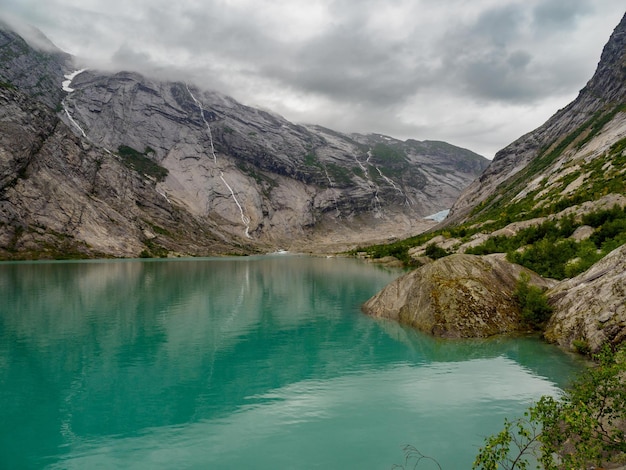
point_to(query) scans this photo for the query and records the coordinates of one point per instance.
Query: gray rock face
(286, 178)
(457, 296)
(62, 197)
(590, 309)
(605, 91)
(35, 72)
(257, 179)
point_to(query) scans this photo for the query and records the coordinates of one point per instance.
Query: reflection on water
(220, 363)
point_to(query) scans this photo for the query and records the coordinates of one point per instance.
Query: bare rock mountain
(250, 177)
(63, 197)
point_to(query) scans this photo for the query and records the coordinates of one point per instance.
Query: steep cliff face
(35, 72)
(62, 197)
(581, 131)
(287, 179)
(264, 182)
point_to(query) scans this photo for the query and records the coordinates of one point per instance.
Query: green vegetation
(534, 308)
(582, 429)
(340, 175)
(153, 250)
(310, 159)
(388, 153)
(141, 163)
(435, 252)
(600, 180)
(547, 250)
(399, 249)
(544, 248)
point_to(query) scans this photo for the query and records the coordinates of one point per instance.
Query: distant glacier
(438, 216)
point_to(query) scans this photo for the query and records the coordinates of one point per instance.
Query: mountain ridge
(603, 96)
(258, 180)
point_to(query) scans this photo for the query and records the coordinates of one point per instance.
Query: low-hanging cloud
(477, 74)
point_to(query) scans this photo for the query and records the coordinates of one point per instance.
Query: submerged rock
(590, 309)
(459, 296)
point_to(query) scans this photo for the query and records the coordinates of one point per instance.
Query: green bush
(582, 429)
(586, 256)
(533, 304)
(547, 258)
(435, 252)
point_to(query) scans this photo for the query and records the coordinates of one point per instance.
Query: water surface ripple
(261, 362)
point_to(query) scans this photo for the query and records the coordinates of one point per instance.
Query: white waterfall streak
(393, 185)
(66, 86)
(69, 116)
(331, 184)
(244, 218)
(206, 123)
(372, 184)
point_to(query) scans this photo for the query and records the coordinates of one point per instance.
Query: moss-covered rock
(590, 309)
(459, 296)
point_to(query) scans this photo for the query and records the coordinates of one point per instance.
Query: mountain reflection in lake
(262, 362)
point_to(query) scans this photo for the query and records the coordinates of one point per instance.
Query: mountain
(540, 164)
(189, 162)
(35, 71)
(554, 201)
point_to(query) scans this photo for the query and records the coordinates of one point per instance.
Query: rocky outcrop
(568, 168)
(458, 296)
(590, 309)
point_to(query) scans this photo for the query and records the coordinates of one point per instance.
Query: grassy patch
(547, 250)
(141, 163)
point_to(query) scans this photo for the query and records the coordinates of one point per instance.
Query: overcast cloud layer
(477, 73)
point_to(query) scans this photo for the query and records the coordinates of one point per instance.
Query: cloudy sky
(475, 73)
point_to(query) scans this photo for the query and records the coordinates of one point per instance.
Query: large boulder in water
(459, 296)
(590, 309)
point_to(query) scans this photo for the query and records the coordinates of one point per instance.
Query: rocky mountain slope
(553, 201)
(252, 179)
(540, 166)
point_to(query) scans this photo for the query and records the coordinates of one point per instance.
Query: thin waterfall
(244, 218)
(66, 85)
(371, 183)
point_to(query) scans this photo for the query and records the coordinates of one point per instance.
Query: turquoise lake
(254, 362)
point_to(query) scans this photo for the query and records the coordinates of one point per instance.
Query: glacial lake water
(256, 362)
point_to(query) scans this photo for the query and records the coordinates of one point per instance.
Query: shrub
(533, 304)
(435, 251)
(582, 429)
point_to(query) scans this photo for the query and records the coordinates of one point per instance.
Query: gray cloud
(477, 74)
